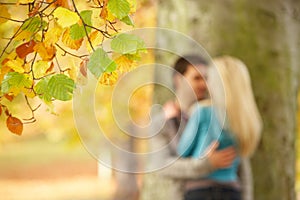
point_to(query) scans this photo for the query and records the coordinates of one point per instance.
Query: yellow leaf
(23, 35)
(69, 42)
(4, 70)
(29, 92)
(65, 17)
(40, 68)
(124, 64)
(25, 1)
(73, 69)
(46, 53)
(96, 19)
(96, 38)
(133, 6)
(109, 78)
(4, 13)
(16, 65)
(53, 35)
(110, 17)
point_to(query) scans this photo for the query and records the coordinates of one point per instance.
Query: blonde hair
(242, 116)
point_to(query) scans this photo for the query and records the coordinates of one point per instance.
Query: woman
(233, 120)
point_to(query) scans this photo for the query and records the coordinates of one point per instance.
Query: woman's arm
(188, 139)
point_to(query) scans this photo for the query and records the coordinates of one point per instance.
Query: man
(167, 183)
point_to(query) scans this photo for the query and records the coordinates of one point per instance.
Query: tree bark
(266, 36)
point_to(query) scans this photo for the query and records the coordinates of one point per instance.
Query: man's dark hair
(182, 63)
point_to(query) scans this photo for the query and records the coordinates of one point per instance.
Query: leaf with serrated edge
(100, 62)
(61, 87)
(65, 17)
(119, 8)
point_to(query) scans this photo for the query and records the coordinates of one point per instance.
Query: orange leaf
(9, 97)
(7, 112)
(69, 42)
(50, 68)
(24, 49)
(104, 13)
(62, 3)
(14, 125)
(46, 53)
(0, 109)
(83, 68)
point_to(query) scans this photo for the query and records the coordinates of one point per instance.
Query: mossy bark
(266, 36)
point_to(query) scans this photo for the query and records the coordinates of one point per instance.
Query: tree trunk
(265, 35)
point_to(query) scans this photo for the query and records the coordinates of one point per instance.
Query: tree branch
(14, 20)
(66, 52)
(84, 25)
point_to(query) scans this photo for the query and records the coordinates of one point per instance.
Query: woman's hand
(220, 158)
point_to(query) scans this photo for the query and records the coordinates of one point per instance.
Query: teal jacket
(202, 129)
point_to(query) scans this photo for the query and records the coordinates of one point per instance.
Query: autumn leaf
(0, 109)
(82, 75)
(24, 49)
(96, 38)
(83, 68)
(25, 1)
(16, 65)
(62, 3)
(69, 42)
(9, 97)
(73, 69)
(103, 13)
(65, 17)
(23, 35)
(109, 78)
(46, 53)
(40, 68)
(53, 35)
(14, 125)
(124, 64)
(4, 13)
(15, 82)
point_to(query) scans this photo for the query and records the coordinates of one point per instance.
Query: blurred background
(49, 160)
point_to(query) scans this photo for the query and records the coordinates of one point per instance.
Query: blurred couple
(214, 134)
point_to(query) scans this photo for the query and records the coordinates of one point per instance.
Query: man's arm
(191, 168)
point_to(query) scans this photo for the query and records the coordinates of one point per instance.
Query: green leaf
(100, 62)
(41, 89)
(77, 31)
(127, 20)
(33, 24)
(61, 87)
(119, 8)
(127, 44)
(15, 82)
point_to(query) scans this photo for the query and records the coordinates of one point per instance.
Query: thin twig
(84, 25)
(66, 52)
(13, 20)
(104, 33)
(32, 119)
(10, 40)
